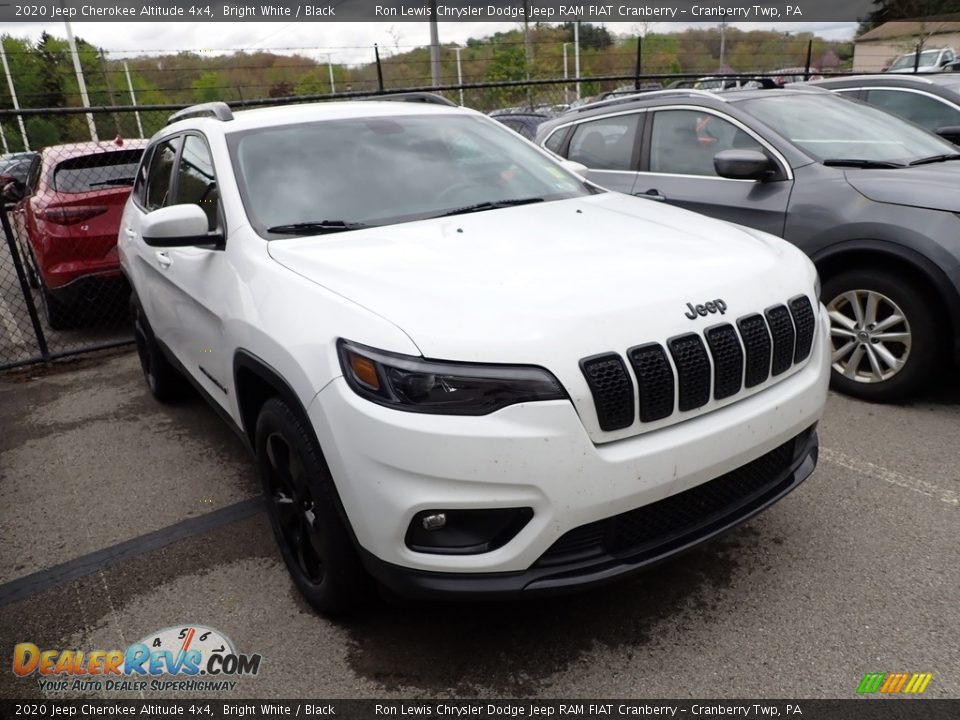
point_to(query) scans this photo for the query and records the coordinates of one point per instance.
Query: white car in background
(463, 369)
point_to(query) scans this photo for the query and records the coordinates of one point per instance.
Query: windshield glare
(904, 62)
(382, 170)
(831, 127)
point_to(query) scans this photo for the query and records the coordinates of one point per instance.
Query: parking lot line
(93, 562)
(893, 477)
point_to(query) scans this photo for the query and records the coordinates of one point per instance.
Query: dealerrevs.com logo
(184, 658)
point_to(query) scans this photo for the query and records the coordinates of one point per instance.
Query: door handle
(652, 194)
(130, 232)
(163, 260)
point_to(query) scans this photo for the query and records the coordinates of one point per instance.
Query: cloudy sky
(346, 42)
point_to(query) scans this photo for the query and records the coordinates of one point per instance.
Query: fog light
(435, 521)
(465, 532)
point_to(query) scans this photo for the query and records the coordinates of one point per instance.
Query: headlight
(413, 384)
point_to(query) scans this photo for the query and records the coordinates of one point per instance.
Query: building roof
(936, 25)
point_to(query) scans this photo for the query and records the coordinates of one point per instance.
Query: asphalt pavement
(120, 516)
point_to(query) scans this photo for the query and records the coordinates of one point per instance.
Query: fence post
(916, 58)
(806, 70)
(376, 53)
(636, 81)
(24, 286)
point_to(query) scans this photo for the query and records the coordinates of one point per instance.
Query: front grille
(737, 355)
(655, 380)
(693, 370)
(781, 328)
(680, 518)
(611, 388)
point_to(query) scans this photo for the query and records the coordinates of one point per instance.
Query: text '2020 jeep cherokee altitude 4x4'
(462, 368)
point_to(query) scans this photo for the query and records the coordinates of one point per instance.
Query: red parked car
(68, 214)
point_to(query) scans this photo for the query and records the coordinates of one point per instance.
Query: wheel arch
(255, 382)
(860, 253)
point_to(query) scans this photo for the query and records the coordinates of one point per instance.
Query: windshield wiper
(114, 181)
(936, 159)
(490, 205)
(317, 227)
(858, 163)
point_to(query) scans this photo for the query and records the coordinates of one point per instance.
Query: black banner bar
(393, 11)
(853, 709)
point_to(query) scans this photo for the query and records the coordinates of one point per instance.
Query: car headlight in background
(414, 384)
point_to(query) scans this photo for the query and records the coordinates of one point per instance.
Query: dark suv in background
(870, 197)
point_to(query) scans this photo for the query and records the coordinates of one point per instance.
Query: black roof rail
(422, 97)
(219, 110)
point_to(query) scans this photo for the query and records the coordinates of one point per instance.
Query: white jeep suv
(462, 368)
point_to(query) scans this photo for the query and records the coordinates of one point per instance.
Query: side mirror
(178, 226)
(742, 164)
(13, 191)
(950, 132)
(575, 167)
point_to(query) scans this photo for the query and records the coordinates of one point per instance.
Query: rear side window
(921, 109)
(196, 182)
(158, 177)
(97, 171)
(554, 143)
(605, 144)
(140, 184)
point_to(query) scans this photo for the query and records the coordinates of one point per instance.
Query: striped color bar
(894, 683)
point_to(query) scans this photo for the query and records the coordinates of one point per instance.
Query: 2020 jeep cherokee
(462, 368)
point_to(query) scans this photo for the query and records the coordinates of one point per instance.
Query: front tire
(305, 513)
(883, 335)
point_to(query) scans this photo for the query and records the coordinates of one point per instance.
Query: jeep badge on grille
(714, 306)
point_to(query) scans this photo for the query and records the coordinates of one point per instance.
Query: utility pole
(458, 49)
(723, 43)
(434, 45)
(566, 75)
(576, 54)
(13, 96)
(333, 87)
(83, 85)
(133, 97)
(3, 137)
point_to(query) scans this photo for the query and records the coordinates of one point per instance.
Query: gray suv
(871, 198)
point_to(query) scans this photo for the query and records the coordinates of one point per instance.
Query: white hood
(550, 283)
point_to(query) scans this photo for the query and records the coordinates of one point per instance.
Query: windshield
(383, 170)
(830, 127)
(905, 62)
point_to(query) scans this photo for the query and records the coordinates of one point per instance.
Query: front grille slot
(727, 360)
(611, 388)
(756, 339)
(781, 328)
(693, 370)
(805, 322)
(679, 519)
(680, 377)
(655, 381)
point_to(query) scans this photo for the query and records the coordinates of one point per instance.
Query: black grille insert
(781, 328)
(756, 339)
(680, 518)
(611, 388)
(693, 370)
(655, 380)
(805, 323)
(727, 360)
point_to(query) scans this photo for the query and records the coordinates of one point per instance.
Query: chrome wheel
(870, 335)
(293, 507)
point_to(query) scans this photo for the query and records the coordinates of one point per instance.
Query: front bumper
(559, 571)
(390, 465)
